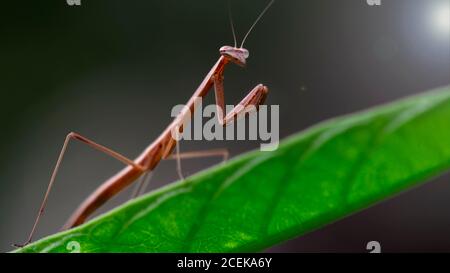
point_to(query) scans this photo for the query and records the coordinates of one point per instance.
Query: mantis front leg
(254, 98)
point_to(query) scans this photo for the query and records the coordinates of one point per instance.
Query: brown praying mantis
(163, 146)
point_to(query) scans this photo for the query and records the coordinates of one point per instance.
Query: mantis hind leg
(195, 154)
(143, 183)
(69, 137)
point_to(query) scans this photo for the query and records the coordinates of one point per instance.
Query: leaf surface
(259, 199)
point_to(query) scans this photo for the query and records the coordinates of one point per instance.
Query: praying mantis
(164, 145)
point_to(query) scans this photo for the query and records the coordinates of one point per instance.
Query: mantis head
(235, 54)
(239, 55)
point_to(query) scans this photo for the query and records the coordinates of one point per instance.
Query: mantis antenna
(256, 21)
(230, 17)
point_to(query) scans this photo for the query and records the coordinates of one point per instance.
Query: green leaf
(261, 198)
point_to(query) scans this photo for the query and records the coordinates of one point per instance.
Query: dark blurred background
(112, 71)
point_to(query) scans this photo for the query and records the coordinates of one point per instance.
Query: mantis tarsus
(164, 145)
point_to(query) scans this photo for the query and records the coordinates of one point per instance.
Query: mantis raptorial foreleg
(254, 98)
